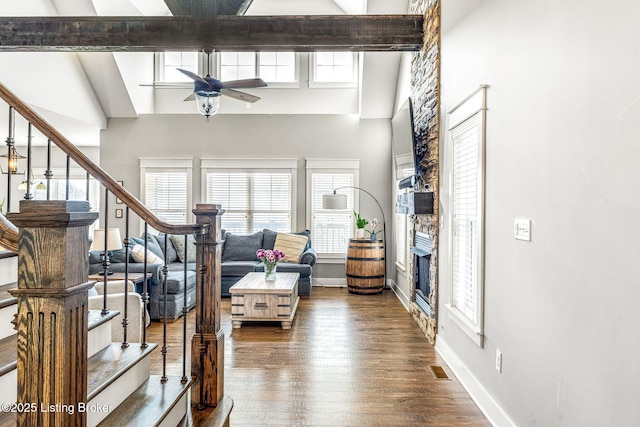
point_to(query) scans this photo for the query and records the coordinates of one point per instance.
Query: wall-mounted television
(403, 141)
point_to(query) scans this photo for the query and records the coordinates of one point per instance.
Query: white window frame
(401, 222)
(469, 114)
(158, 165)
(271, 84)
(262, 165)
(159, 68)
(338, 166)
(353, 83)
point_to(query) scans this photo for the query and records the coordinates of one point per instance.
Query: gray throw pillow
(152, 245)
(178, 243)
(242, 247)
(172, 255)
(269, 239)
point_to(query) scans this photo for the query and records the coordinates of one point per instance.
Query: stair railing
(207, 344)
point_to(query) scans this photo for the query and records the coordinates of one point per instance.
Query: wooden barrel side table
(365, 266)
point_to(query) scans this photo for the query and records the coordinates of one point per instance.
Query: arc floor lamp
(339, 201)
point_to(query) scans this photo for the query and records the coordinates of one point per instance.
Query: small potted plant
(373, 232)
(361, 223)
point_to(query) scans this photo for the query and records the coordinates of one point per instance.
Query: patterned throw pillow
(138, 255)
(178, 243)
(292, 245)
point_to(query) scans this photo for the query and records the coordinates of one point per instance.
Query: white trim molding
(487, 404)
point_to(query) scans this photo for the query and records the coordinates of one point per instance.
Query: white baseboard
(404, 298)
(489, 407)
(330, 282)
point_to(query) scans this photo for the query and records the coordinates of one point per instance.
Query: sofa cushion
(172, 255)
(120, 255)
(152, 244)
(175, 281)
(292, 245)
(138, 255)
(242, 247)
(269, 239)
(178, 243)
(239, 268)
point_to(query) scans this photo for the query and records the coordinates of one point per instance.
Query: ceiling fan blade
(240, 96)
(246, 83)
(193, 76)
(191, 97)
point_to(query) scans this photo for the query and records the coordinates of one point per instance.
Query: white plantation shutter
(165, 188)
(166, 196)
(466, 201)
(331, 229)
(401, 239)
(252, 200)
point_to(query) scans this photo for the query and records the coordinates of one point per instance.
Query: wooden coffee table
(255, 299)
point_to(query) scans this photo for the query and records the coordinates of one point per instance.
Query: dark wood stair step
(6, 299)
(8, 355)
(210, 417)
(149, 404)
(108, 365)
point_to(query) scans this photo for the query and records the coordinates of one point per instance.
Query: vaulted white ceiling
(77, 93)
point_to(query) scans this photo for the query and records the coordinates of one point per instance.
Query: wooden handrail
(8, 234)
(88, 165)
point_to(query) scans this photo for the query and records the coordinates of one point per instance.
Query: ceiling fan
(207, 90)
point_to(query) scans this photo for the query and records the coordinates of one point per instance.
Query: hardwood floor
(348, 360)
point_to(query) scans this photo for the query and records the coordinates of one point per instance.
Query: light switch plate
(522, 229)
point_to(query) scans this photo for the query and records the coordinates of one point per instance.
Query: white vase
(359, 233)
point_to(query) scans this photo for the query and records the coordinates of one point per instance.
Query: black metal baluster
(145, 291)
(165, 271)
(87, 188)
(10, 145)
(125, 315)
(185, 311)
(66, 192)
(27, 194)
(105, 257)
(48, 174)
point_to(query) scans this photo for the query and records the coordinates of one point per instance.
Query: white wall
(254, 136)
(562, 149)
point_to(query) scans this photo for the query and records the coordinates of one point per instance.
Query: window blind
(401, 239)
(252, 201)
(166, 195)
(331, 229)
(466, 139)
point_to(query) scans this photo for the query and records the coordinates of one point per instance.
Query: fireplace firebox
(422, 262)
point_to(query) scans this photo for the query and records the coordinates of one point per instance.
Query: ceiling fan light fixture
(208, 102)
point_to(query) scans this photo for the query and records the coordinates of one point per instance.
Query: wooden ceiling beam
(231, 33)
(191, 7)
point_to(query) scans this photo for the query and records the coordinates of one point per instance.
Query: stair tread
(210, 417)
(8, 354)
(8, 345)
(108, 364)
(149, 404)
(6, 299)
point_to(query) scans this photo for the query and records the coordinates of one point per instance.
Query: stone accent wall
(425, 95)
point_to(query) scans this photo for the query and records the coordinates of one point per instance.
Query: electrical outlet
(522, 229)
(498, 361)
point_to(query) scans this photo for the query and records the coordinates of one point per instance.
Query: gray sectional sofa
(238, 259)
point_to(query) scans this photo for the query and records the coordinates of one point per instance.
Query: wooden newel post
(207, 345)
(52, 314)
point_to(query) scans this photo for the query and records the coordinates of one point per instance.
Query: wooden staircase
(120, 390)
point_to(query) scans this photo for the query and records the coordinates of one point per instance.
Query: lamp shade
(114, 241)
(334, 201)
(208, 102)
